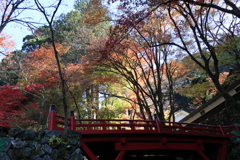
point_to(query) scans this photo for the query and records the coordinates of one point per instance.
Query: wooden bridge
(114, 139)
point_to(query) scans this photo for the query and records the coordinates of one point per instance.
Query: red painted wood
(157, 145)
(103, 126)
(120, 155)
(222, 150)
(52, 121)
(134, 135)
(203, 155)
(72, 122)
(88, 152)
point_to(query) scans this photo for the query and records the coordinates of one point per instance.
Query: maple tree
(6, 44)
(38, 75)
(199, 21)
(41, 77)
(226, 6)
(17, 68)
(11, 104)
(50, 19)
(140, 57)
(144, 67)
(195, 26)
(71, 29)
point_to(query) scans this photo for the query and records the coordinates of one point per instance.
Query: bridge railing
(114, 125)
(105, 126)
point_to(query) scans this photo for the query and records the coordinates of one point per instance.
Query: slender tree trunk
(62, 80)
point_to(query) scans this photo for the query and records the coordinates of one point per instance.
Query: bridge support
(222, 150)
(120, 155)
(121, 148)
(88, 152)
(203, 155)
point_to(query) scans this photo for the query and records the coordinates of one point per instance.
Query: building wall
(180, 115)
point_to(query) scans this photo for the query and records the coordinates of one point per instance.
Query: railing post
(221, 129)
(132, 126)
(235, 126)
(104, 128)
(72, 121)
(52, 119)
(157, 122)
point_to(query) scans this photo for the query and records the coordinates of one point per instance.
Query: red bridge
(114, 139)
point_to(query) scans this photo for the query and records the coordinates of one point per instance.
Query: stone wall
(233, 150)
(43, 145)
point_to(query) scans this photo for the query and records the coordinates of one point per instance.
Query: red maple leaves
(11, 105)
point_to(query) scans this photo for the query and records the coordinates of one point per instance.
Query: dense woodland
(148, 57)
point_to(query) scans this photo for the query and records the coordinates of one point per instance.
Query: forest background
(145, 58)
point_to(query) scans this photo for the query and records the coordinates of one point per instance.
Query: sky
(18, 32)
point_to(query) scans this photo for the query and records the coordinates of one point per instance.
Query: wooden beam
(88, 152)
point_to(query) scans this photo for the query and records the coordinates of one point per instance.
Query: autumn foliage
(11, 104)
(6, 45)
(139, 60)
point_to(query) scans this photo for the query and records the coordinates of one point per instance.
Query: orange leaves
(43, 59)
(41, 65)
(94, 18)
(6, 45)
(176, 69)
(74, 73)
(62, 49)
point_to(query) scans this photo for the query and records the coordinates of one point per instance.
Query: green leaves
(2, 142)
(229, 52)
(236, 132)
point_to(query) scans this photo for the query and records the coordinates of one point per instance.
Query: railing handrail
(148, 126)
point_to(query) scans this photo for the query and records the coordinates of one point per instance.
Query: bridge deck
(116, 139)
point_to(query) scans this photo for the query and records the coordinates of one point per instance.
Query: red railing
(116, 126)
